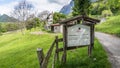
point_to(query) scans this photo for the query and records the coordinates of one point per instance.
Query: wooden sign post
(77, 35)
(65, 43)
(74, 36)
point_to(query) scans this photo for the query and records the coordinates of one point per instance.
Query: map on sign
(78, 35)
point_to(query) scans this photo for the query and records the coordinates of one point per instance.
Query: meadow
(19, 51)
(111, 26)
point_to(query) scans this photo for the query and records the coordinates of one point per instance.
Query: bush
(11, 26)
(97, 8)
(4, 27)
(33, 23)
(106, 13)
(111, 26)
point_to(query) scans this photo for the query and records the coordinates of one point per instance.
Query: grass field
(111, 26)
(19, 51)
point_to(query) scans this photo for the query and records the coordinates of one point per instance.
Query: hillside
(6, 18)
(111, 26)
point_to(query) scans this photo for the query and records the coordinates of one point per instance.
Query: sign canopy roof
(80, 17)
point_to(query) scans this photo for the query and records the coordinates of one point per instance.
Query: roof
(80, 17)
(57, 24)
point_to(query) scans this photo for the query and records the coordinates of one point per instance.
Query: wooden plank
(57, 53)
(54, 59)
(91, 41)
(79, 17)
(46, 59)
(65, 43)
(71, 48)
(71, 19)
(92, 19)
(40, 55)
(93, 35)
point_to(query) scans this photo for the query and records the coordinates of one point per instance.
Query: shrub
(106, 13)
(11, 26)
(4, 27)
(33, 23)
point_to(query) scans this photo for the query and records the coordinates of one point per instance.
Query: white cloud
(7, 8)
(4, 10)
(40, 5)
(62, 2)
(47, 5)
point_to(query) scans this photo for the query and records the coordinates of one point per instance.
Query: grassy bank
(111, 26)
(19, 51)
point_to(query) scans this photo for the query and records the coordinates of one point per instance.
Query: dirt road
(112, 46)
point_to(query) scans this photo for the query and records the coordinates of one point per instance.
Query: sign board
(78, 35)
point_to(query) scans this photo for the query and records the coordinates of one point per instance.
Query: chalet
(49, 21)
(56, 28)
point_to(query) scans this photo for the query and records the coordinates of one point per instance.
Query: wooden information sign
(78, 35)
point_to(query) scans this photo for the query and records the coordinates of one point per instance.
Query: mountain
(67, 8)
(6, 18)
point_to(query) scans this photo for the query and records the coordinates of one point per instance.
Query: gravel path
(112, 46)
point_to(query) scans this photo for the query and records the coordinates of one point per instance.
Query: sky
(7, 6)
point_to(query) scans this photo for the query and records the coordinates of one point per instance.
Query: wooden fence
(43, 60)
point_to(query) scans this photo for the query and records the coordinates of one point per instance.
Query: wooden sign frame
(67, 23)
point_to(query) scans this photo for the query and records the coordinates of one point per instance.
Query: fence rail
(43, 61)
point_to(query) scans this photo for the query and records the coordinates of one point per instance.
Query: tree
(114, 5)
(57, 17)
(44, 17)
(22, 11)
(98, 7)
(11, 26)
(33, 23)
(81, 7)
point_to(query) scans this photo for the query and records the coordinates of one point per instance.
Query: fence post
(57, 53)
(40, 56)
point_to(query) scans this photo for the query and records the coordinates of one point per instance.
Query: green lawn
(79, 58)
(19, 51)
(111, 26)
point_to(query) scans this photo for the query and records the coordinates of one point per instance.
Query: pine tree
(81, 7)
